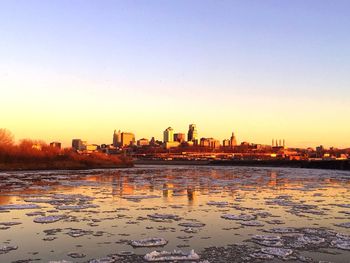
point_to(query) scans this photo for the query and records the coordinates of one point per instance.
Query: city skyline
(266, 69)
(118, 137)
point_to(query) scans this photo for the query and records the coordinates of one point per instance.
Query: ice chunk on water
(103, 260)
(140, 197)
(222, 203)
(341, 243)
(282, 230)
(259, 255)
(346, 225)
(176, 255)
(275, 251)
(7, 248)
(265, 237)
(164, 216)
(76, 207)
(192, 224)
(311, 240)
(149, 242)
(48, 219)
(243, 217)
(10, 223)
(19, 207)
(269, 241)
(76, 255)
(252, 223)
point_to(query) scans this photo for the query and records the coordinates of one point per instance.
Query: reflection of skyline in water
(297, 197)
(126, 184)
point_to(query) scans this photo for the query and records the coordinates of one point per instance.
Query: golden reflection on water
(189, 188)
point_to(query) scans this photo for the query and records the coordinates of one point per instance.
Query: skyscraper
(117, 138)
(168, 135)
(233, 140)
(192, 135)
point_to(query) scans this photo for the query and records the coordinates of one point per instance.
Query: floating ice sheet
(149, 242)
(176, 255)
(48, 219)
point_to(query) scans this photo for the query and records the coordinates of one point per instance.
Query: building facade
(127, 139)
(55, 145)
(233, 140)
(117, 138)
(179, 137)
(78, 144)
(192, 135)
(168, 135)
(143, 142)
(209, 143)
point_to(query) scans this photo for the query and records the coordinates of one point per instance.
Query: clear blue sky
(264, 69)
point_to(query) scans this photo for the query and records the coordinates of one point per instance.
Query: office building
(233, 140)
(143, 142)
(78, 144)
(127, 139)
(117, 138)
(168, 145)
(192, 135)
(226, 143)
(168, 135)
(209, 143)
(179, 137)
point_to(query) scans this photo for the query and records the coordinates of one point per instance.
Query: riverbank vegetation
(37, 155)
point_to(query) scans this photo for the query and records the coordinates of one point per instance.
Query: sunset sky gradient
(263, 69)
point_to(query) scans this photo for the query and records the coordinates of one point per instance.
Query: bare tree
(6, 138)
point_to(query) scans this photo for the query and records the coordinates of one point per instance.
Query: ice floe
(176, 255)
(243, 217)
(191, 224)
(19, 206)
(164, 216)
(7, 248)
(48, 219)
(149, 242)
(275, 251)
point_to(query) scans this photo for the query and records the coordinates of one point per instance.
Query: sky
(263, 69)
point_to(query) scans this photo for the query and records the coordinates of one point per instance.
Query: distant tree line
(36, 154)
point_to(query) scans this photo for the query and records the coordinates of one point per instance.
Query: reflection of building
(179, 137)
(117, 138)
(127, 139)
(55, 145)
(192, 135)
(168, 135)
(142, 142)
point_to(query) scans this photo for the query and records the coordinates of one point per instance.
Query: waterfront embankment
(307, 164)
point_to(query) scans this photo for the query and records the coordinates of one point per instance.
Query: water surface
(99, 212)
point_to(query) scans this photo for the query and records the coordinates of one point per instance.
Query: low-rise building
(143, 142)
(168, 145)
(55, 145)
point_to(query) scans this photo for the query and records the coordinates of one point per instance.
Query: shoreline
(73, 167)
(342, 165)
